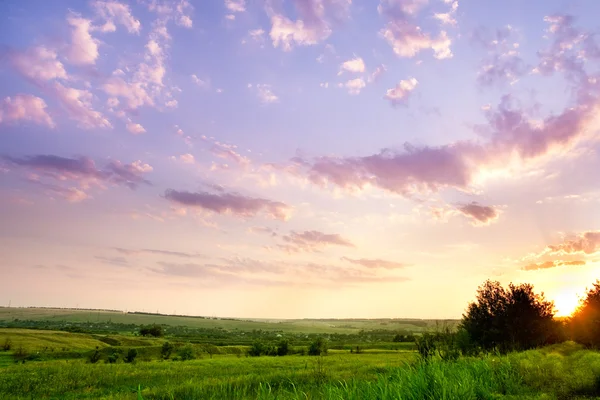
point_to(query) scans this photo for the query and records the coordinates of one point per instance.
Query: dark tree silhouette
(585, 321)
(509, 319)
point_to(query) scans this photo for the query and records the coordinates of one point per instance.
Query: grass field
(296, 326)
(50, 364)
(559, 372)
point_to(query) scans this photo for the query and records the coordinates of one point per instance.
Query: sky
(297, 158)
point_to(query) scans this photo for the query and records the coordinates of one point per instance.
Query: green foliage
(95, 356)
(152, 330)
(257, 349)
(211, 350)
(283, 347)
(131, 355)
(318, 347)
(509, 319)
(7, 345)
(166, 350)
(585, 321)
(186, 353)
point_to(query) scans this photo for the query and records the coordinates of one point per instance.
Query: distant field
(347, 326)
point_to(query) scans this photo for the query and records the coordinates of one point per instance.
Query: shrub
(166, 350)
(283, 348)
(186, 353)
(152, 330)
(95, 356)
(318, 347)
(131, 355)
(7, 345)
(257, 349)
(211, 349)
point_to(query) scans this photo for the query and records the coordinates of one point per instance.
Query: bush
(113, 358)
(20, 354)
(7, 345)
(211, 350)
(283, 348)
(318, 347)
(186, 353)
(166, 350)
(131, 355)
(257, 349)
(95, 356)
(152, 330)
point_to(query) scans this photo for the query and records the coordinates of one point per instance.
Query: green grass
(558, 372)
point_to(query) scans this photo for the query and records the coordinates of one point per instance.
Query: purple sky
(297, 158)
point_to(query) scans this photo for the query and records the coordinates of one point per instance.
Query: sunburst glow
(566, 303)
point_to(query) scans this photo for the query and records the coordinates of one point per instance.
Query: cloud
(448, 18)
(83, 49)
(169, 253)
(187, 158)
(134, 92)
(376, 74)
(552, 264)
(583, 243)
(503, 61)
(236, 5)
(481, 215)
(71, 194)
(230, 203)
(113, 11)
(200, 82)
(134, 128)
(310, 241)
(355, 65)
(227, 152)
(25, 107)
(405, 36)
(264, 93)
(119, 261)
(375, 263)
(84, 170)
(400, 94)
(78, 104)
(38, 64)
(312, 26)
(354, 86)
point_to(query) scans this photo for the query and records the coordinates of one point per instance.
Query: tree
(186, 353)
(166, 350)
(318, 347)
(585, 321)
(513, 319)
(152, 330)
(211, 350)
(283, 348)
(131, 355)
(257, 349)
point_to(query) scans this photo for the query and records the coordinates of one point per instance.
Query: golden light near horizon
(566, 303)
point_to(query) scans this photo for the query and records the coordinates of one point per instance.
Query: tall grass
(558, 372)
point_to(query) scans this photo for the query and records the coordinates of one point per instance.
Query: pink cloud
(503, 61)
(38, 64)
(78, 104)
(354, 86)
(83, 49)
(375, 263)
(480, 215)
(25, 107)
(113, 11)
(312, 26)
(230, 203)
(553, 264)
(134, 92)
(355, 65)
(400, 94)
(405, 36)
(310, 241)
(84, 171)
(586, 243)
(236, 5)
(134, 128)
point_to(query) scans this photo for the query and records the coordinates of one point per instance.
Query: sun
(566, 303)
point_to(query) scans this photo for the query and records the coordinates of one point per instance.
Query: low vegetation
(508, 345)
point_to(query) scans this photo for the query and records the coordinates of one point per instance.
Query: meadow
(70, 363)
